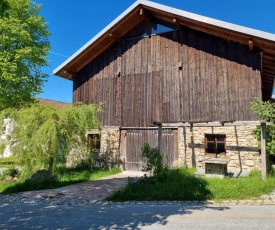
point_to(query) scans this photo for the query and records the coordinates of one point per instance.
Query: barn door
(132, 141)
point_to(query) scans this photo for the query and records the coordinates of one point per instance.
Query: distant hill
(52, 103)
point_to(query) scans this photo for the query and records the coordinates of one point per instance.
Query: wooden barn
(195, 76)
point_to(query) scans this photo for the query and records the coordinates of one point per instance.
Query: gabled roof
(144, 10)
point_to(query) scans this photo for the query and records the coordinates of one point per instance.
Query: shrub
(154, 160)
(105, 160)
(12, 172)
(266, 111)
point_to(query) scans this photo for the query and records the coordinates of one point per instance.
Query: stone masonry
(109, 139)
(241, 148)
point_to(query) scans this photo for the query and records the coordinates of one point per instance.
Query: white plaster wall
(7, 127)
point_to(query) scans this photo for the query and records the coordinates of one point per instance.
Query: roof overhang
(133, 16)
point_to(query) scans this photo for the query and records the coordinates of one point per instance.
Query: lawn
(63, 177)
(8, 162)
(181, 184)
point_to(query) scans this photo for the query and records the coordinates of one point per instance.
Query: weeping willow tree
(44, 136)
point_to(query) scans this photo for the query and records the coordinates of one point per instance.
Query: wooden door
(132, 141)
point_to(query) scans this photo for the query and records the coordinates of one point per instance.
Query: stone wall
(110, 137)
(241, 148)
(109, 143)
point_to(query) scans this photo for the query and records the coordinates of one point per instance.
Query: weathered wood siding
(132, 141)
(217, 81)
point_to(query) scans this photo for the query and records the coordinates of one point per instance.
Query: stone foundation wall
(215, 170)
(110, 137)
(109, 143)
(241, 148)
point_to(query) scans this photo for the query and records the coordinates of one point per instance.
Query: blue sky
(73, 23)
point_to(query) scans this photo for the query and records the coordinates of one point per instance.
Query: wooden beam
(177, 24)
(146, 16)
(159, 136)
(70, 73)
(211, 124)
(114, 37)
(263, 149)
(250, 44)
(145, 128)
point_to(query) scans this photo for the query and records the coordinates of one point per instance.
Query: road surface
(136, 216)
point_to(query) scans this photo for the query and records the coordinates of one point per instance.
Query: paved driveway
(96, 191)
(76, 194)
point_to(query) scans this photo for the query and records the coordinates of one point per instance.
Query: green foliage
(105, 161)
(44, 136)
(64, 176)
(266, 111)
(241, 188)
(24, 47)
(154, 160)
(178, 184)
(2, 148)
(13, 172)
(4, 8)
(9, 162)
(181, 184)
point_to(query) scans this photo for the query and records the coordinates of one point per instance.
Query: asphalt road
(138, 216)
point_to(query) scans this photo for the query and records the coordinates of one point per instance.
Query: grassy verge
(181, 184)
(241, 188)
(8, 162)
(63, 177)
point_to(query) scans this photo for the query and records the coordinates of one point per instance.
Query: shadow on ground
(110, 216)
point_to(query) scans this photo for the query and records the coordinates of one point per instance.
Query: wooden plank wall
(134, 139)
(218, 80)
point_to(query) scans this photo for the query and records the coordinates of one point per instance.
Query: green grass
(181, 184)
(8, 162)
(63, 177)
(240, 188)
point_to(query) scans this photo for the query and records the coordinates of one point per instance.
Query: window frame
(215, 142)
(96, 139)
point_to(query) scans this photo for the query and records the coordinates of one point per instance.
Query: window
(160, 28)
(215, 144)
(148, 28)
(94, 142)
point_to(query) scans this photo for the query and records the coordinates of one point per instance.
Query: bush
(154, 162)
(12, 172)
(266, 111)
(105, 161)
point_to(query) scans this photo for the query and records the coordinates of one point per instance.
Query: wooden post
(159, 136)
(263, 148)
(159, 124)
